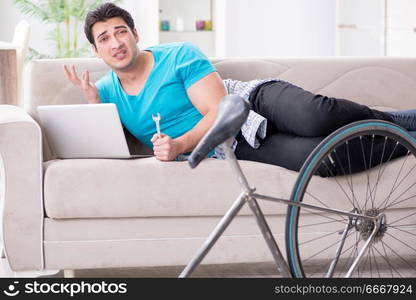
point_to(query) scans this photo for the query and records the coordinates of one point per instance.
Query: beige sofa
(104, 213)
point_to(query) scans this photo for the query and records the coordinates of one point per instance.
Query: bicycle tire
(306, 230)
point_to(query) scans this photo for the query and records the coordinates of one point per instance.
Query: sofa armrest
(21, 188)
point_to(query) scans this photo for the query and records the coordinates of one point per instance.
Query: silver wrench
(157, 121)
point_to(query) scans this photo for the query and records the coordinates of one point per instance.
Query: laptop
(85, 131)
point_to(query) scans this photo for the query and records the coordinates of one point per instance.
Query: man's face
(115, 43)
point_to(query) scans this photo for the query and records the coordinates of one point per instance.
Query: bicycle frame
(248, 196)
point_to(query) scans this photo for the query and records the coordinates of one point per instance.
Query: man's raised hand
(88, 88)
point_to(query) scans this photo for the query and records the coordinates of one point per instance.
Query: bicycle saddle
(232, 113)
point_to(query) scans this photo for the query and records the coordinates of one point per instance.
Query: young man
(178, 81)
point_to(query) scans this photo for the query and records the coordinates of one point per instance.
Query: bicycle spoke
(363, 264)
(402, 218)
(342, 189)
(384, 169)
(395, 181)
(378, 176)
(387, 259)
(321, 251)
(407, 225)
(350, 174)
(343, 170)
(369, 259)
(401, 201)
(375, 262)
(315, 224)
(326, 266)
(313, 212)
(312, 196)
(321, 237)
(402, 230)
(402, 181)
(365, 168)
(399, 256)
(371, 156)
(401, 242)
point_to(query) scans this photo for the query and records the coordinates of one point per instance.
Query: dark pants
(298, 121)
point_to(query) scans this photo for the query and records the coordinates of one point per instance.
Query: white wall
(276, 27)
(249, 27)
(146, 15)
(360, 33)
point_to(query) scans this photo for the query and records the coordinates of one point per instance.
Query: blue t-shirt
(177, 66)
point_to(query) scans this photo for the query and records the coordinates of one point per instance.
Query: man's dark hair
(101, 14)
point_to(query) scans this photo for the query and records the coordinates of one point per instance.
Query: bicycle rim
(371, 168)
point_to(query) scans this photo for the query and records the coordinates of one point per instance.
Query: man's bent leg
(290, 151)
(294, 110)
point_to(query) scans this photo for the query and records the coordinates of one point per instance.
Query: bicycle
(370, 236)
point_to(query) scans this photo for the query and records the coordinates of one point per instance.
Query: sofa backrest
(383, 82)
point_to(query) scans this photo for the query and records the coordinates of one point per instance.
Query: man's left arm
(205, 95)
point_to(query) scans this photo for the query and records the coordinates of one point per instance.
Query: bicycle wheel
(370, 170)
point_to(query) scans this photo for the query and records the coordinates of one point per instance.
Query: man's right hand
(88, 88)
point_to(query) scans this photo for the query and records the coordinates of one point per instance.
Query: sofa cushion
(146, 187)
